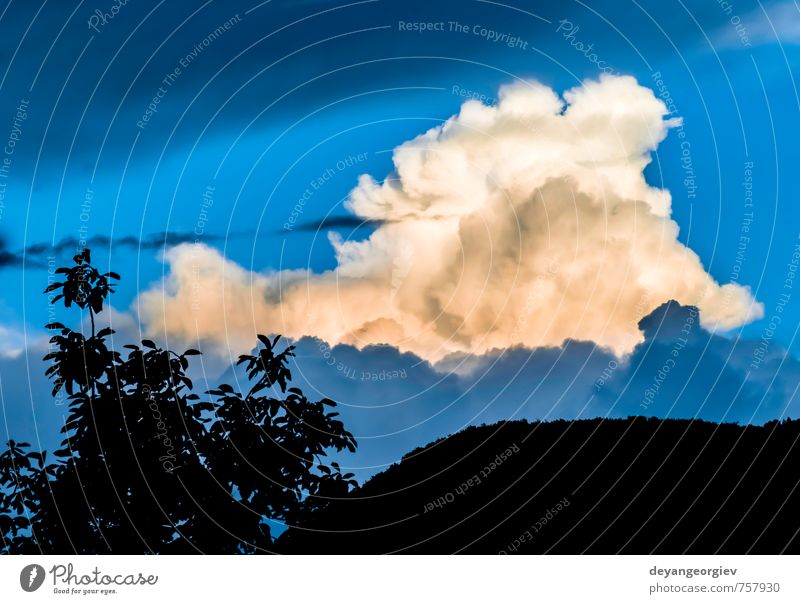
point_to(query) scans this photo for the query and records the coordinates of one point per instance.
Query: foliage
(147, 466)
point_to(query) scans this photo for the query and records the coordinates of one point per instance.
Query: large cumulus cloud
(522, 224)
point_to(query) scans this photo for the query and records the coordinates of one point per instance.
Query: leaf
(257, 388)
(149, 344)
(191, 352)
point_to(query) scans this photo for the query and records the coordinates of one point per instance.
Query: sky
(460, 212)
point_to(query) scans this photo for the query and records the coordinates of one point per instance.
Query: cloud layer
(526, 223)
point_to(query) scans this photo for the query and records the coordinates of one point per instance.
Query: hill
(630, 486)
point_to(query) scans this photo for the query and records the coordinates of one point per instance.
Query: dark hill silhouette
(591, 486)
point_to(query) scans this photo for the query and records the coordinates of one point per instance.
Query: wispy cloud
(774, 23)
(36, 254)
(336, 222)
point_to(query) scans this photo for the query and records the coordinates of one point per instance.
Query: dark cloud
(394, 402)
(683, 371)
(36, 254)
(336, 222)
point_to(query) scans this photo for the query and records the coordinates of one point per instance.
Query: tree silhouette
(147, 466)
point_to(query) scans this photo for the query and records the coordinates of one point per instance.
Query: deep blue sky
(293, 87)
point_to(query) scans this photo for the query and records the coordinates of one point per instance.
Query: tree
(146, 465)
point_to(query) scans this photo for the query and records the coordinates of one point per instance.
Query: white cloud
(15, 341)
(524, 223)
